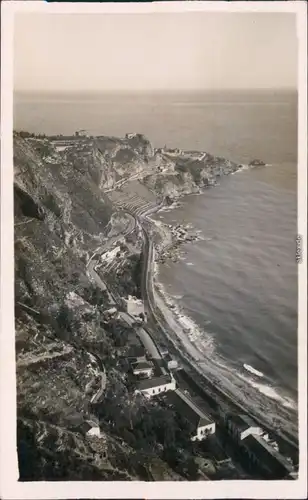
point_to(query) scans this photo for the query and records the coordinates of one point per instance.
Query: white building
(91, 428)
(155, 386)
(203, 424)
(143, 368)
(172, 365)
(110, 312)
(241, 426)
(81, 133)
(133, 306)
(110, 255)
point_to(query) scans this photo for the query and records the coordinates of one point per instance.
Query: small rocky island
(257, 163)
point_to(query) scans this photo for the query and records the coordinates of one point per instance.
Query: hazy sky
(155, 51)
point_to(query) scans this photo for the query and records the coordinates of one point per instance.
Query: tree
(192, 469)
(172, 456)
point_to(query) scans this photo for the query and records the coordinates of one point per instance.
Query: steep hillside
(71, 363)
(69, 360)
(61, 217)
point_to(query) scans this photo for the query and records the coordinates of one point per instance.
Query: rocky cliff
(67, 355)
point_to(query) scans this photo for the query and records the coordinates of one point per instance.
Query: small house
(172, 364)
(155, 386)
(241, 426)
(91, 428)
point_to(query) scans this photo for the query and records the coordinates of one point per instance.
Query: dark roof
(188, 408)
(142, 365)
(243, 422)
(154, 382)
(268, 456)
(135, 351)
(85, 427)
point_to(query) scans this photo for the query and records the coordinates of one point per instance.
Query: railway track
(215, 396)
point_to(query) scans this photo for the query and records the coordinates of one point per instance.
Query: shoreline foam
(200, 348)
(204, 342)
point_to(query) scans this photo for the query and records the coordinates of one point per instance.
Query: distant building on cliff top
(81, 133)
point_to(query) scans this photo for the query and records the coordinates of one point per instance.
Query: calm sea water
(240, 283)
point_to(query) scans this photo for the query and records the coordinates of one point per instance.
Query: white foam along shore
(252, 370)
(199, 345)
(187, 330)
(244, 167)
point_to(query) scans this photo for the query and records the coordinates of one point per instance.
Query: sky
(161, 51)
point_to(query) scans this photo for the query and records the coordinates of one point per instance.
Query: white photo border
(10, 488)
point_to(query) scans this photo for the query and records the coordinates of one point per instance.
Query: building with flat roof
(241, 426)
(156, 385)
(133, 306)
(267, 458)
(202, 423)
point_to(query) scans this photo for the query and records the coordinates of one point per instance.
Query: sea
(238, 284)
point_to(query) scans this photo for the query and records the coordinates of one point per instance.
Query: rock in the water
(257, 163)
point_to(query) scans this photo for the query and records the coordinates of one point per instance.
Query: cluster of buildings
(261, 451)
(170, 151)
(202, 424)
(152, 380)
(133, 311)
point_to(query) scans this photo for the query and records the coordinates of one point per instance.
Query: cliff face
(127, 156)
(61, 216)
(66, 355)
(64, 348)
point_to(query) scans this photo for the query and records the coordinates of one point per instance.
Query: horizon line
(153, 90)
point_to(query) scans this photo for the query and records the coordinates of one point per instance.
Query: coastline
(262, 398)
